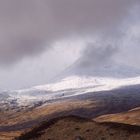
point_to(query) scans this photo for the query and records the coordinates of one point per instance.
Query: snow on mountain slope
(77, 79)
(70, 86)
(101, 83)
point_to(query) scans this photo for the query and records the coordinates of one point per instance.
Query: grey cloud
(27, 27)
(97, 55)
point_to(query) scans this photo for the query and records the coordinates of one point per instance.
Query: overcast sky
(40, 38)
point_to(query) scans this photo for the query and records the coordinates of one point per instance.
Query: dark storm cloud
(27, 27)
(96, 55)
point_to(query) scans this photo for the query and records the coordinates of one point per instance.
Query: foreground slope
(129, 117)
(76, 128)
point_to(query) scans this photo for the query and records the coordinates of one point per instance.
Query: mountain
(87, 96)
(67, 87)
(77, 79)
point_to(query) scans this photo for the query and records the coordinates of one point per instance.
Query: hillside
(76, 128)
(130, 117)
(92, 105)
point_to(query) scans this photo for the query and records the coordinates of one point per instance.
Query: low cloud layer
(28, 27)
(108, 30)
(96, 56)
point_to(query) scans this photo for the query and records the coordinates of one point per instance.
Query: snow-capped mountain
(67, 87)
(71, 85)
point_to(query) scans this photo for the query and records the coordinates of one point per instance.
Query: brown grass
(72, 127)
(130, 117)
